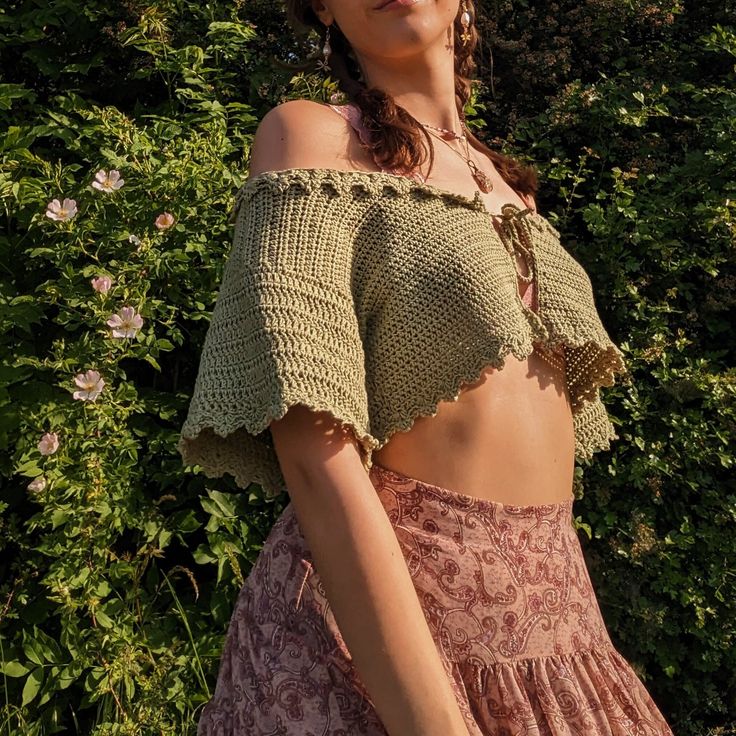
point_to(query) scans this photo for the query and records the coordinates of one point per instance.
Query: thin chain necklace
(448, 133)
(483, 181)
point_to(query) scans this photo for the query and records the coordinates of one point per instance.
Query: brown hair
(395, 134)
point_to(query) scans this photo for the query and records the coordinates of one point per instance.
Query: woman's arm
(354, 546)
(358, 558)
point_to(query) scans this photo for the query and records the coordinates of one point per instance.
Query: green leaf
(59, 517)
(32, 686)
(46, 646)
(103, 619)
(68, 675)
(32, 649)
(150, 359)
(13, 669)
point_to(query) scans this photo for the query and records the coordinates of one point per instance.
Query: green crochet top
(374, 296)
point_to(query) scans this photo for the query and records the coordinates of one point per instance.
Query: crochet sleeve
(283, 331)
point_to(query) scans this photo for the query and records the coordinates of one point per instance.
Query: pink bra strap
(352, 114)
(527, 296)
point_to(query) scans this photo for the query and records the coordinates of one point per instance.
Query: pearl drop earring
(326, 51)
(465, 22)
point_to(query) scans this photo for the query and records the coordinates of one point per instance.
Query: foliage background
(117, 579)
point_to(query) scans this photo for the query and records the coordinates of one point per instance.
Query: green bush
(119, 567)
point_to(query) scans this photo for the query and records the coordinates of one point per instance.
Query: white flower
(134, 239)
(101, 284)
(125, 323)
(91, 384)
(164, 221)
(108, 182)
(61, 211)
(37, 484)
(49, 443)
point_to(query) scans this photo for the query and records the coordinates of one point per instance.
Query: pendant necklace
(481, 179)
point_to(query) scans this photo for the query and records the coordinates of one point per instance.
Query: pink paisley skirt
(509, 603)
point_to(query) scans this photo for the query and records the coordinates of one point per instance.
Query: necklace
(483, 181)
(448, 133)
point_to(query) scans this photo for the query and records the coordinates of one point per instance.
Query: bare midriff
(508, 437)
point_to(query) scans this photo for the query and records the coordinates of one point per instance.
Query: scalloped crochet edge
(599, 441)
(375, 183)
(616, 370)
(496, 359)
(598, 437)
(192, 443)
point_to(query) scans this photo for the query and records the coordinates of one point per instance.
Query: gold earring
(465, 22)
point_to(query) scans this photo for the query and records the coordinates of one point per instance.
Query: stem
(200, 670)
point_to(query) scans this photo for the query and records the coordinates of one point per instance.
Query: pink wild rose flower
(101, 284)
(61, 211)
(125, 323)
(105, 182)
(164, 221)
(37, 484)
(91, 384)
(49, 443)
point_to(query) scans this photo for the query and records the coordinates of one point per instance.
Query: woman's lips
(389, 4)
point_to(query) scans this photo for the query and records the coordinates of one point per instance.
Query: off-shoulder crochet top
(374, 296)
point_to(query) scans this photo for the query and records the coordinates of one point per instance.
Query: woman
(409, 351)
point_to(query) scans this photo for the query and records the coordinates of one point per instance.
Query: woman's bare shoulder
(300, 134)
